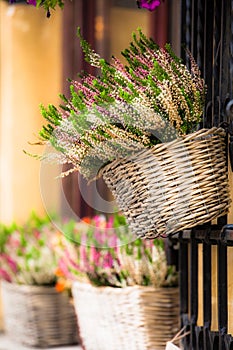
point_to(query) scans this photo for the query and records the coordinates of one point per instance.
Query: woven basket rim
(29, 288)
(124, 289)
(160, 146)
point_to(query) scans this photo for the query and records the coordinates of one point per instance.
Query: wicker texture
(38, 316)
(172, 186)
(131, 318)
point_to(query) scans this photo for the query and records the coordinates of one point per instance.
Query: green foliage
(52, 115)
(5, 232)
(49, 4)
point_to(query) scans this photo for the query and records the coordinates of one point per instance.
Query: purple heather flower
(31, 2)
(148, 4)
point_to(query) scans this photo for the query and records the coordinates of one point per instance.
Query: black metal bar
(193, 289)
(222, 293)
(183, 278)
(210, 234)
(215, 60)
(207, 310)
(184, 287)
(207, 67)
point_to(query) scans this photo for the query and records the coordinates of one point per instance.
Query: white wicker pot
(38, 316)
(131, 318)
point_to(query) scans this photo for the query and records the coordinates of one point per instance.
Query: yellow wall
(124, 21)
(30, 74)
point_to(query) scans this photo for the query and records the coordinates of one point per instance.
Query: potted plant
(125, 294)
(35, 312)
(136, 124)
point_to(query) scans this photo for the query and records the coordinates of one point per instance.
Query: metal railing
(207, 31)
(201, 337)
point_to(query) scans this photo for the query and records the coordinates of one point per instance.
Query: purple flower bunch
(90, 251)
(148, 4)
(30, 2)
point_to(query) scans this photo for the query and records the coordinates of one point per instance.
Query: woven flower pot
(172, 186)
(131, 318)
(38, 316)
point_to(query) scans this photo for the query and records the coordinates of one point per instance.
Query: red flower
(148, 4)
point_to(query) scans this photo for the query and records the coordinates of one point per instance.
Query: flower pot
(126, 318)
(38, 316)
(172, 186)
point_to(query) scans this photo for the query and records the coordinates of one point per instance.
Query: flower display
(153, 98)
(26, 252)
(83, 257)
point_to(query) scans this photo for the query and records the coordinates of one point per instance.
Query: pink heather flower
(148, 4)
(37, 234)
(95, 254)
(99, 221)
(12, 264)
(114, 241)
(98, 236)
(110, 222)
(108, 261)
(68, 260)
(5, 275)
(65, 270)
(14, 241)
(83, 254)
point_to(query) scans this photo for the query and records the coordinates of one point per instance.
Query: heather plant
(26, 252)
(90, 251)
(126, 108)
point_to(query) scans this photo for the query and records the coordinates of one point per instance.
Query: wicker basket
(38, 316)
(131, 318)
(172, 186)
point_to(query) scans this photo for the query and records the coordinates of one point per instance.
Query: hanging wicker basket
(130, 318)
(38, 316)
(172, 186)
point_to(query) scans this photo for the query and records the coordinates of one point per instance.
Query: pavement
(8, 344)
